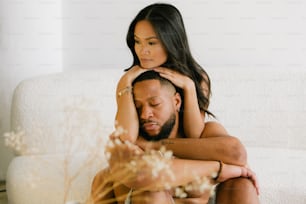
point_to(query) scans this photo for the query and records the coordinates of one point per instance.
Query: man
(158, 105)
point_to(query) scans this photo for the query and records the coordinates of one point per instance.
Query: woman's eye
(152, 43)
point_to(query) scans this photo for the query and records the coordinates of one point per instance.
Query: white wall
(94, 33)
(43, 36)
(266, 34)
(30, 45)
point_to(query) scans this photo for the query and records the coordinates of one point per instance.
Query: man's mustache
(142, 122)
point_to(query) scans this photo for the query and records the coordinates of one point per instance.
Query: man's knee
(98, 179)
(238, 190)
(99, 184)
(237, 184)
(237, 187)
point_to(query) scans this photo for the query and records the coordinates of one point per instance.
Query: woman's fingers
(175, 77)
(164, 70)
(134, 72)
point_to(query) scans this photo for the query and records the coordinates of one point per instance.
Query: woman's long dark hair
(169, 27)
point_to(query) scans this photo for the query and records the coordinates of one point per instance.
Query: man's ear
(177, 101)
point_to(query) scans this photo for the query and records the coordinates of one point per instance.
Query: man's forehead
(157, 84)
(149, 88)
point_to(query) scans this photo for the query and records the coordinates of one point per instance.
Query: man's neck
(175, 133)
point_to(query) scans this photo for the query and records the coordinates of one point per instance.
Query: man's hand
(233, 171)
(147, 145)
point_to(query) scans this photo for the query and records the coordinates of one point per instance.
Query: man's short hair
(153, 75)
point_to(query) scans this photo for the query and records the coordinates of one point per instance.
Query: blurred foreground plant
(63, 155)
(158, 161)
(127, 162)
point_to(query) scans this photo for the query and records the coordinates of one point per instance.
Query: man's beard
(164, 132)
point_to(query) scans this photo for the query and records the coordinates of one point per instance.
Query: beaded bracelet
(219, 171)
(124, 90)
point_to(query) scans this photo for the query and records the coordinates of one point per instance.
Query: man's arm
(214, 144)
(186, 171)
(142, 177)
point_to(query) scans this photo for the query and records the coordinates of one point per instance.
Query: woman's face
(148, 47)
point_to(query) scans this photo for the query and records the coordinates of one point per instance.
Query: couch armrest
(45, 178)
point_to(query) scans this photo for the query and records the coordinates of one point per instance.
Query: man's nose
(146, 112)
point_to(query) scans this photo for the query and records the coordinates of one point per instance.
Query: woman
(157, 40)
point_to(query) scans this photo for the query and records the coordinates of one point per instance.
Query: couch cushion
(281, 173)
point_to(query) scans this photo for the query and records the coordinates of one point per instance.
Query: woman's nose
(144, 50)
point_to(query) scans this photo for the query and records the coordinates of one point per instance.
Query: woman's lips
(146, 60)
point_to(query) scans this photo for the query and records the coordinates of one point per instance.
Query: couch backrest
(66, 112)
(69, 111)
(261, 107)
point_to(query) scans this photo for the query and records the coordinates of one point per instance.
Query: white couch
(67, 118)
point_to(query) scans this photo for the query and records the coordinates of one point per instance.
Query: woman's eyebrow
(148, 38)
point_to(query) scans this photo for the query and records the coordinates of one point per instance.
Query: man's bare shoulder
(213, 129)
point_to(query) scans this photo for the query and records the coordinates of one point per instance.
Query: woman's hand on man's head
(178, 79)
(133, 73)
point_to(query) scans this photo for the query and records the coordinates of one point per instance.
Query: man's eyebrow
(148, 99)
(154, 97)
(149, 38)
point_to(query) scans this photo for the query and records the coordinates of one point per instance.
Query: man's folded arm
(214, 144)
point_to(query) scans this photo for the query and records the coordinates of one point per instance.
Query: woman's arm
(193, 119)
(126, 116)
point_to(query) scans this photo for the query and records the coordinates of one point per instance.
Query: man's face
(157, 109)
